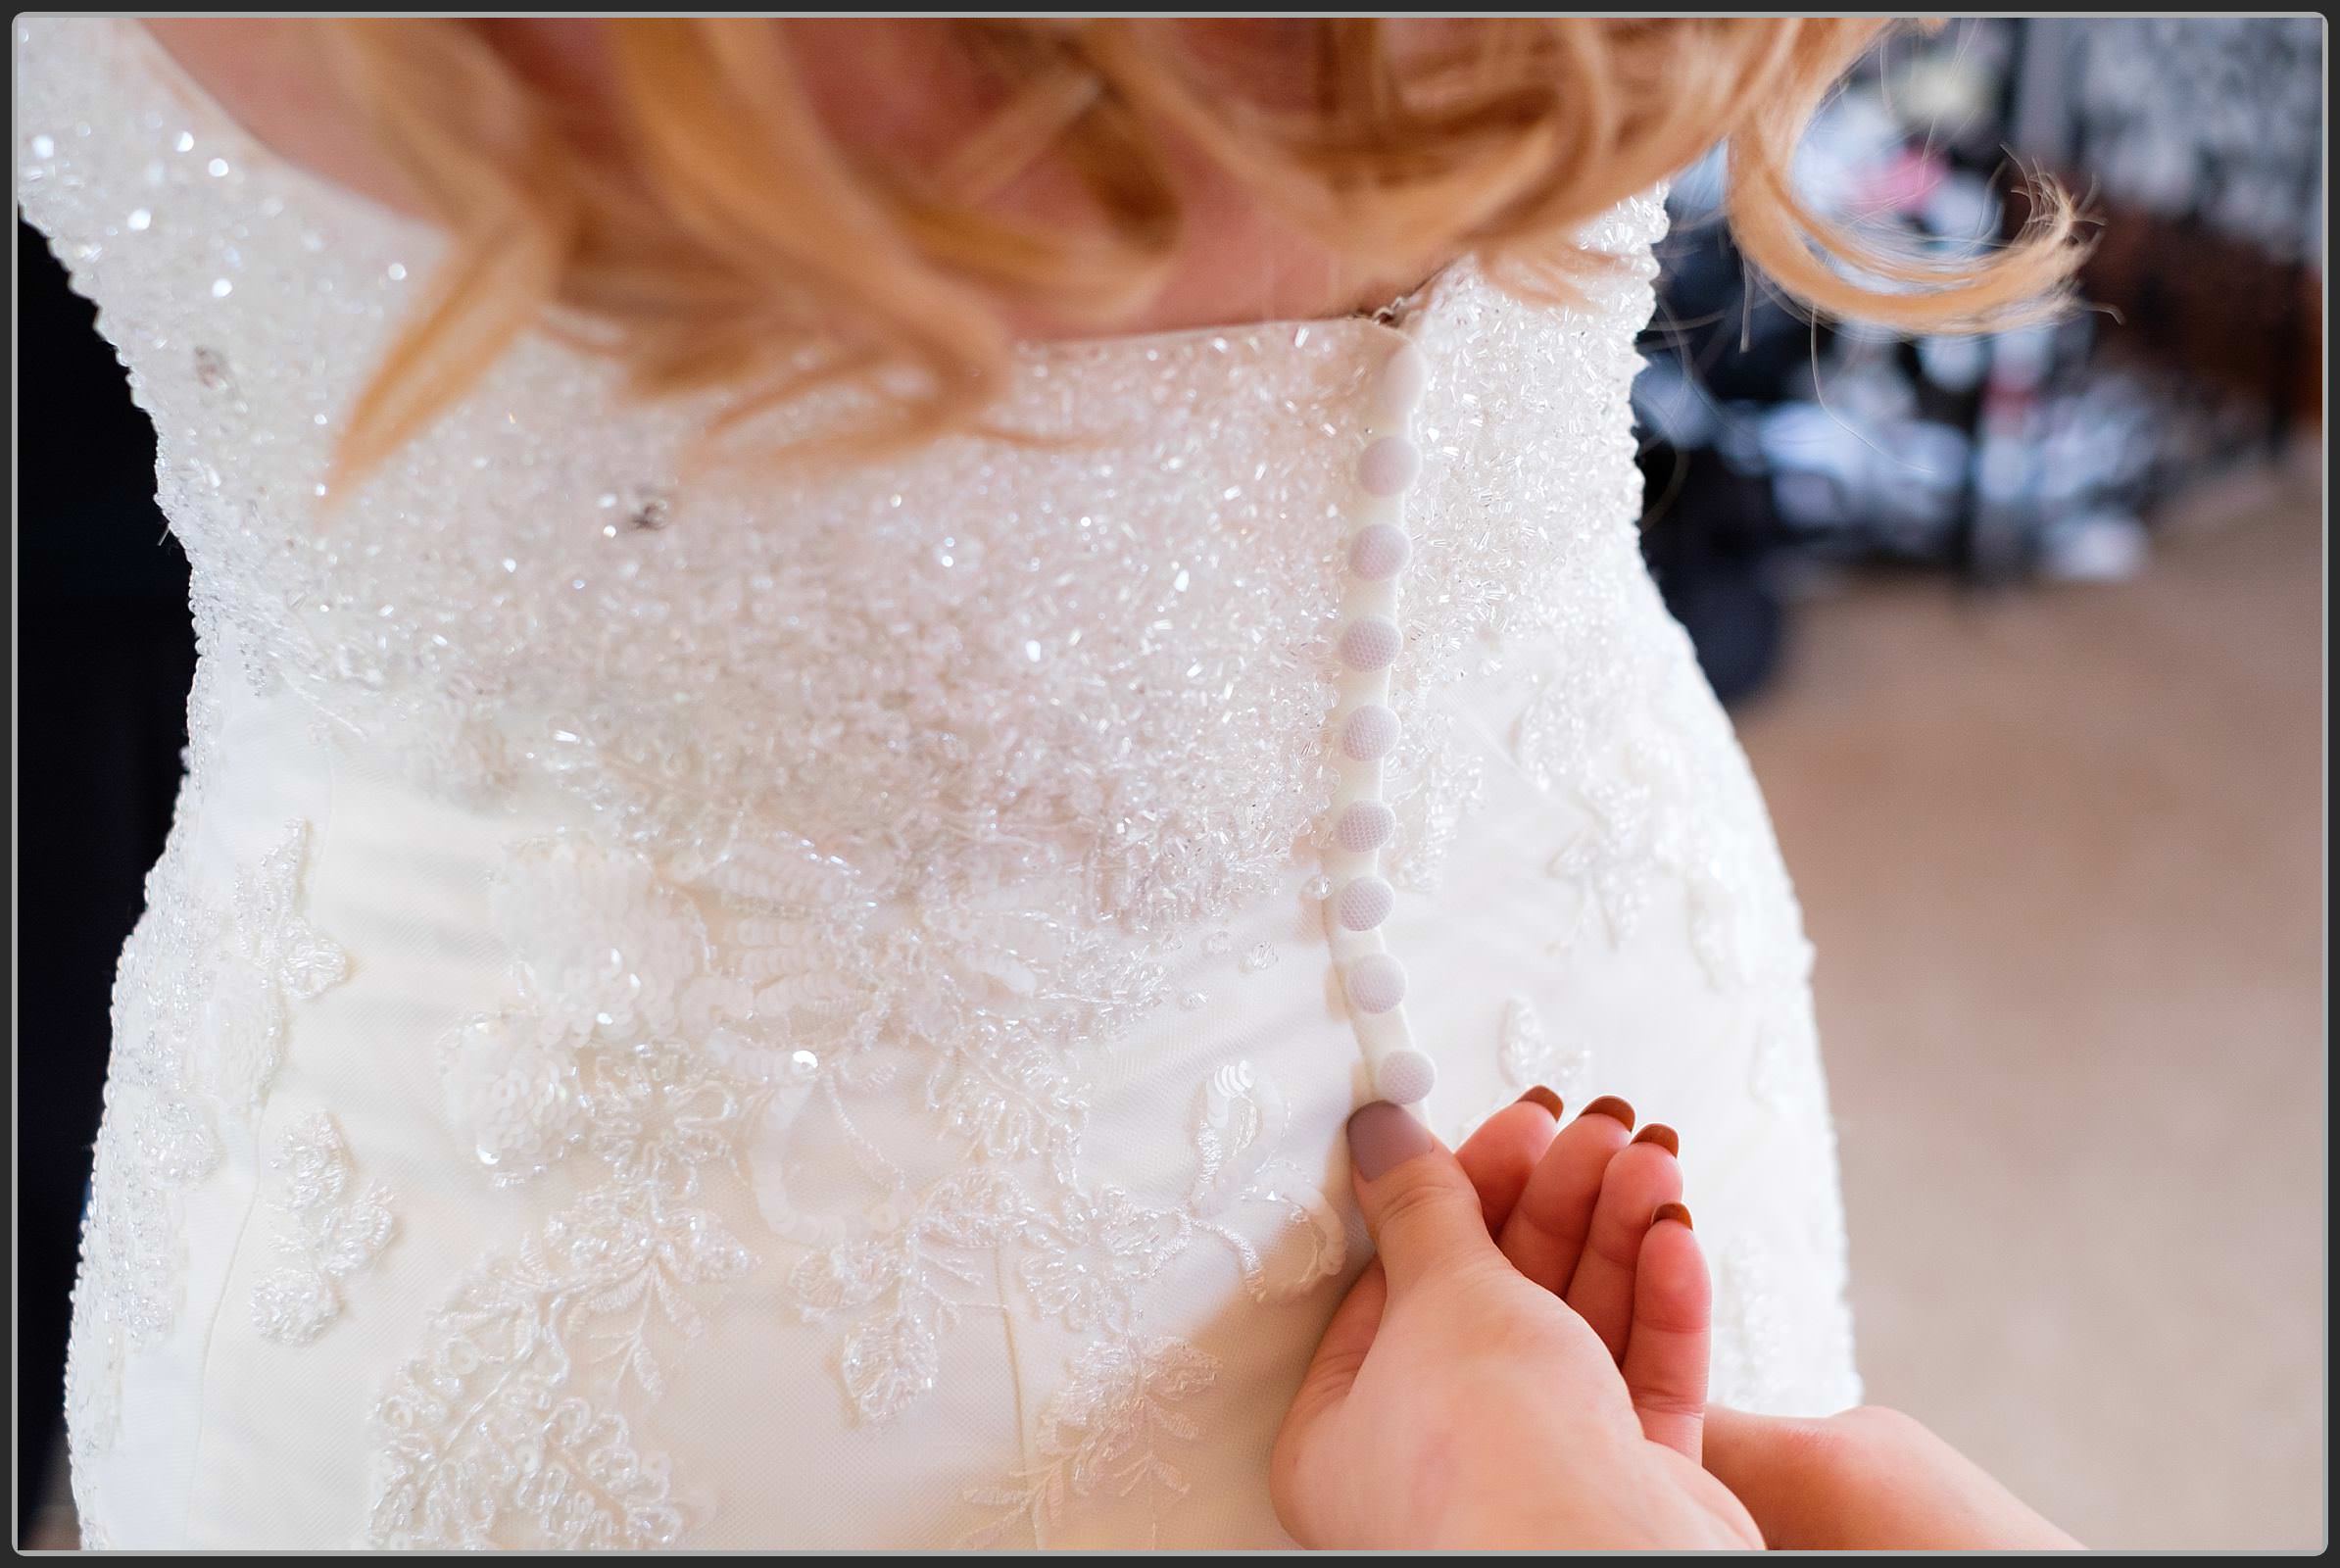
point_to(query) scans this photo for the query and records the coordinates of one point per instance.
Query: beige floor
(2061, 854)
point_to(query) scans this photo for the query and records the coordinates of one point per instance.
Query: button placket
(1365, 729)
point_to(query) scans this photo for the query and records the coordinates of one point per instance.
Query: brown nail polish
(1544, 1097)
(1667, 1211)
(1658, 1133)
(1382, 1137)
(1611, 1106)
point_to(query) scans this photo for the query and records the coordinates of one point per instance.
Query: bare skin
(1468, 1393)
(1525, 1365)
(891, 88)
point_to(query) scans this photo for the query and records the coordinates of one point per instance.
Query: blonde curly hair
(714, 230)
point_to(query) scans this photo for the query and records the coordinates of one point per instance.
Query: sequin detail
(509, 1429)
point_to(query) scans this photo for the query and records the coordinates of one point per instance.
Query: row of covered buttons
(1367, 729)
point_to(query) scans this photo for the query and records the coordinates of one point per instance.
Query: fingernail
(1381, 1137)
(1667, 1211)
(1611, 1106)
(1544, 1097)
(1658, 1133)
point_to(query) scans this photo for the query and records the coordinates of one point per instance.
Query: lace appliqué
(647, 1053)
(326, 1231)
(1625, 729)
(507, 1430)
(1085, 1250)
(1241, 1190)
(1109, 1430)
(202, 1003)
(898, 1287)
(1528, 1055)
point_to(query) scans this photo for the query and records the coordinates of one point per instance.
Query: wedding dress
(749, 1009)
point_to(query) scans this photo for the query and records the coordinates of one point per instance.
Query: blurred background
(2025, 636)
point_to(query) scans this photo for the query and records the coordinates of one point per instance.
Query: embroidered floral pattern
(897, 1286)
(1642, 750)
(1107, 1432)
(202, 1003)
(506, 1430)
(1528, 1057)
(1110, 1428)
(327, 1231)
(1240, 1118)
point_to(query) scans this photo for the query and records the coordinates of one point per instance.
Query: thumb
(1419, 1202)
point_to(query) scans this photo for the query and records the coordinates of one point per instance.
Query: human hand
(1868, 1479)
(1524, 1364)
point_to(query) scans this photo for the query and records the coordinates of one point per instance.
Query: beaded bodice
(1101, 656)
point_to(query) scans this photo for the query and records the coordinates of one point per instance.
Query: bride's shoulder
(272, 76)
(891, 90)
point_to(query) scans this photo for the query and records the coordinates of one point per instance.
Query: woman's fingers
(1667, 1350)
(1422, 1210)
(1501, 1155)
(1642, 1176)
(1547, 1228)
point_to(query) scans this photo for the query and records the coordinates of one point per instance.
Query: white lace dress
(768, 1011)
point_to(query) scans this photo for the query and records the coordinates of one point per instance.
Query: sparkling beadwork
(327, 1230)
(1366, 902)
(1369, 733)
(1379, 552)
(1370, 642)
(1388, 465)
(1376, 983)
(1363, 826)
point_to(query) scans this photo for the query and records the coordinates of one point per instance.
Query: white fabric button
(1379, 552)
(1403, 378)
(1404, 1077)
(1376, 983)
(1370, 642)
(1369, 733)
(1366, 826)
(1366, 902)
(1388, 465)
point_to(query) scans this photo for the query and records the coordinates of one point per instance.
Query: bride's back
(815, 1006)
